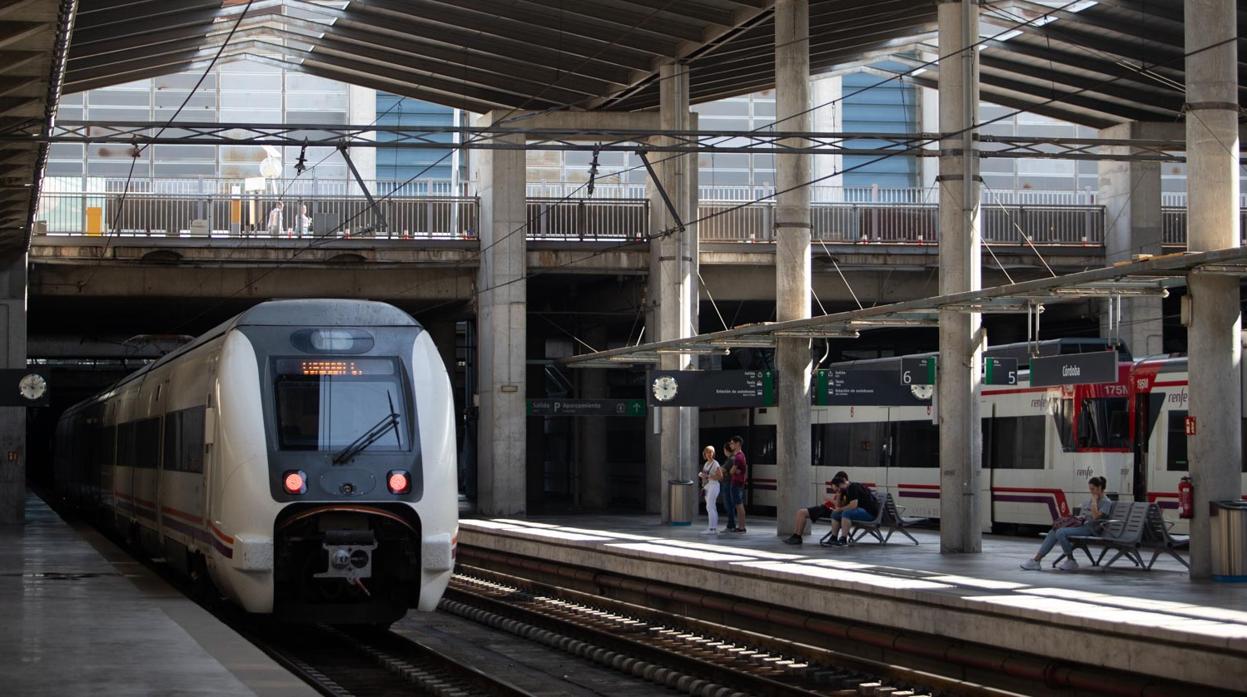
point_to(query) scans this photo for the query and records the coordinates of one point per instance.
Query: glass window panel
(1175, 451)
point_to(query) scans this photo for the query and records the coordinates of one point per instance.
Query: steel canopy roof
(1093, 63)
(31, 39)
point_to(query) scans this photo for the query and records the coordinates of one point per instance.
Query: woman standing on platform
(711, 474)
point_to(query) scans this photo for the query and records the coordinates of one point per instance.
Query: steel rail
(741, 660)
(891, 656)
(361, 662)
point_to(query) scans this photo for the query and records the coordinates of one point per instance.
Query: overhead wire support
(662, 192)
(592, 140)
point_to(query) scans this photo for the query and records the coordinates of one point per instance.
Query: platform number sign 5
(1190, 425)
(1000, 371)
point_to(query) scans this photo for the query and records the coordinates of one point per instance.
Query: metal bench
(1123, 534)
(894, 520)
(1156, 537)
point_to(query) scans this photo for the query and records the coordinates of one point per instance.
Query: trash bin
(682, 501)
(1229, 541)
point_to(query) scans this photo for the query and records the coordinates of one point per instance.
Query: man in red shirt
(740, 477)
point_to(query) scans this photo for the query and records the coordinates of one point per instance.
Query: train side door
(213, 483)
(1147, 408)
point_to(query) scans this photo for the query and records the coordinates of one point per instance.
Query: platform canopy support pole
(1214, 343)
(502, 305)
(675, 288)
(961, 340)
(792, 258)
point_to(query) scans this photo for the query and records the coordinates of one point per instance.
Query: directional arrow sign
(586, 407)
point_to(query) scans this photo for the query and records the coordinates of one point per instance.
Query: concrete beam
(558, 120)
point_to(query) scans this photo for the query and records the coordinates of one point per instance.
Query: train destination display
(1074, 369)
(712, 388)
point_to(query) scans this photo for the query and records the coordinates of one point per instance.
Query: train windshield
(329, 403)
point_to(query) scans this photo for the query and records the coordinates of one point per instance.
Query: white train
(1040, 444)
(301, 456)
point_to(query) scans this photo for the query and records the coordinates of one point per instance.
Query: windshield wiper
(372, 435)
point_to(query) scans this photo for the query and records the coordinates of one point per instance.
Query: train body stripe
(220, 535)
(188, 517)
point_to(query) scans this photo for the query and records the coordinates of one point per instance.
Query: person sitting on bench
(814, 513)
(1085, 523)
(857, 503)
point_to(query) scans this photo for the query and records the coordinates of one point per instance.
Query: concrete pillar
(675, 287)
(502, 325)
(792, 259)
(13, 419)
(1214, 349)
(960, 270)
(1130, 194)
(592, 474)
(362, 102)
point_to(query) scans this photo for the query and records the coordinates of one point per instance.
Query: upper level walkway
(202, 238)
(211, 208)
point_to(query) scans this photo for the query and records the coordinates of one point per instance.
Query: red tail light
(294, 482)
(398, 481)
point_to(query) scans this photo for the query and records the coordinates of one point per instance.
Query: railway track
(688, 655)
(373, 663)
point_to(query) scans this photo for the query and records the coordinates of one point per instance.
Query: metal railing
(906, 223)
(225, 216)
(1173, 225)
(427, 209)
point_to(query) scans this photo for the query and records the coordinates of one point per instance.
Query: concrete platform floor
(1151, 622)
(998, 564)
(81, 617)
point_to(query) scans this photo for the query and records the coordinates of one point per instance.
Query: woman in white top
(711, 474)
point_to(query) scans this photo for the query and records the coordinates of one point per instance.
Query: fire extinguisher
(1186, 504)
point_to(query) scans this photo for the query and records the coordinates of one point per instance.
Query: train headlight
(398, 481)
(294, 482)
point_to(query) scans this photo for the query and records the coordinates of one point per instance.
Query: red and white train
(1040, 444)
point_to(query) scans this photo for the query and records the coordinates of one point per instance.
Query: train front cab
(355, 427)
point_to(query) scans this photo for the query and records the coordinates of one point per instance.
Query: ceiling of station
(29, 74)
(1094, 63)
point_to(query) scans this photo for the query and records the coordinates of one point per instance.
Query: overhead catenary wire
(645, 240)
(512, 114)
(725, 211)
(138, 151)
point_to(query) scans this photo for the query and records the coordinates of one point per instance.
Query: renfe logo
(1071, 371)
